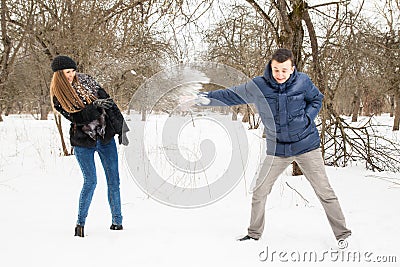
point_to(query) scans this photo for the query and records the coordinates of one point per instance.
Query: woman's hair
(66, 94)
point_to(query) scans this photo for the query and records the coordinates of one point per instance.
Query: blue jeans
(109, 159)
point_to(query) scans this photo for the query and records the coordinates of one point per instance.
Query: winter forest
(349, 48)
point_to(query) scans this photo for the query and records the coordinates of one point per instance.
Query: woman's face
(69, 74)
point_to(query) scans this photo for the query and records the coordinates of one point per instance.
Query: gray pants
(313, 168)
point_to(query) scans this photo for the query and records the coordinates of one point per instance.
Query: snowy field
(39, 192)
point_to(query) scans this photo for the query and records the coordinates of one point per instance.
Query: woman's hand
(106, 103)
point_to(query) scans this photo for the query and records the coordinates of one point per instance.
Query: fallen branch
(387, 179)
(305, 200)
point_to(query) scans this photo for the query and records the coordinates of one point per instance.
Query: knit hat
(62, 63)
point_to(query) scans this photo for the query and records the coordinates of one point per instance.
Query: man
(291, 101)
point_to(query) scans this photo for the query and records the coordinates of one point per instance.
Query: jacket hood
(271, 80)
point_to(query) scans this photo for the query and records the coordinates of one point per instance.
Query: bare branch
(294, 189)
(265, 16)
(345, 2)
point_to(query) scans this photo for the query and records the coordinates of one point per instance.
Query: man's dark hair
(282, 54)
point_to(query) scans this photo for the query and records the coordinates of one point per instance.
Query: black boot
(116, 227)
(79, 231)
(247, 237)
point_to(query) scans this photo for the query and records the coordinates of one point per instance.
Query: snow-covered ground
(39, 192)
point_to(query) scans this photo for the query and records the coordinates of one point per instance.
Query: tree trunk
(246, 116)
(296, 169)
(297, 36)
(8, 110)
(9, 47)
(397, 111)
(227, 110)
(57, 119)
(143, 112)
(392, 106)
(44, 111)
(43, 103)
(296, 23)
(356, 106)
(235, 111)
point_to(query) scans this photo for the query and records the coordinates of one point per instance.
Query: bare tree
(121, 43)
(287, 18)
(341, 59)
(391, 14)
(12, 39)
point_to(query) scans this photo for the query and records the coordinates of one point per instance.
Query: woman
(95, 119)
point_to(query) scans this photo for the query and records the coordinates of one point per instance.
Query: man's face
(282, 71)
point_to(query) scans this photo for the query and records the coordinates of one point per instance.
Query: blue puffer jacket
(287, 110)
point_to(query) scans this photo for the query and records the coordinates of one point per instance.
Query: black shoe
(116, 227)
(79, 231)
(247, 237)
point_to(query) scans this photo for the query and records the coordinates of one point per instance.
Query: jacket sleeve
(236, 95)
(58, 107)
(86, 115)
(114, 114)
(101, 93)
(313, 98)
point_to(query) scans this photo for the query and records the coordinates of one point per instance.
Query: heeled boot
(79, 231)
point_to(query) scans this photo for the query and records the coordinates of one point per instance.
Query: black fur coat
(115, 123)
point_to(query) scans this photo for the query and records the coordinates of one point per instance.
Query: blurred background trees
(354, 46)
(351, 49)
(119, 42)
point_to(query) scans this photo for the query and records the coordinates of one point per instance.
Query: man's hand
(186, 101)
(106, 103)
